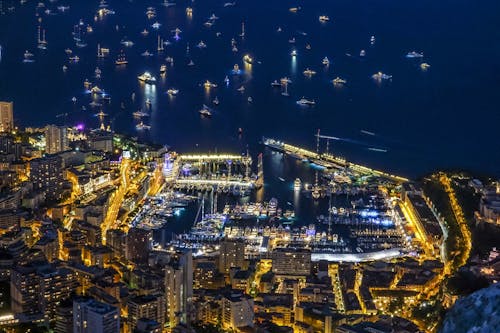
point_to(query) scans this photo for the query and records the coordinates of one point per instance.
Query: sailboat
(160, 44)
(242, 30)
(42, 42)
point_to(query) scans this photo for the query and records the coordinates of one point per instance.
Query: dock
(327, 160)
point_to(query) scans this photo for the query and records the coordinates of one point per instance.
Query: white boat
(213, 17)
(372, 40)
(156, 25)
(338, 81)
(326, 61)
(309, 72)
(424, 66)
(226, 80)
(163, 69)
(139, 114)
(209, 84)
(362, 53)
(216, 101)
(275, 83)
(172, 92)
(145, 32)
(127, 43)
(247, 59)
(285, 80)
(74, 59)
(230, 4)
(250, 99)
(205, 111)
(201, 45)
(381, 76)
(241, 89)
(414, 54)
(324, 18)
(297, 184)
(167, 3)
(28, 57)
(146, 77)
(190, 63)
(305, 101)
(146, 54)
(141, 126)
(293, 53)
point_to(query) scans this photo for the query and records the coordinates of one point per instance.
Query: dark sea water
(446, 117)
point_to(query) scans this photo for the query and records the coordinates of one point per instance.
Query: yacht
(297, 184)
(291, 40)
(424, 66)
(250, 99)
(96, 90)
(172, 92)
(241, 89)
(234, 48)
(372, 40)
(209, 85)
(148, 103)
(293, 53)
(201, 45)
(338, 81)
(151, 12)
(216, 101)
(87, 84)
(101, 114)
(247, 59)
(208, 24)
(226, 80)
(189, 11)
(213, 17)
(285, 80)
(139, 114)
(414, 54)
(74, 59)
(236, 69)
(294, 9)
(156, 25)
(190, 63)
(141, 126)
(170, 60)
(362, 53)
(308, 46)
(316, 193)
(146, 54)
(146, 77)
(205, 111)
(324, 18)
(28, 57)
(309, 72)
(326, 61)
(275, 83)
(68, 51)
(97, 72)
(304, 101)
(229, 4)
(145, 32)
(64, 68)
(127, 43)
(163, 69)
(381, 76)
(121, 60)
(167, 3)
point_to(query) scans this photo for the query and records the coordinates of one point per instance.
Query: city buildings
(179, 288)
(91, 316)
(47, 176)
(6, 116)
(232, 254)
(56, 139)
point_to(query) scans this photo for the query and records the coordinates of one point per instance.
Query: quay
(327, 160)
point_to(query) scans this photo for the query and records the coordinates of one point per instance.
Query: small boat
(68, 51)
(141, 126)
(121, 60)
(213, 17)
(226, 80)
(309, 72)
(170, 60)
(205, 111)
(97, 72)
(325, 61)
(146, 77)
(236, 70)
(247, 59)
(190, 63)
(189, 11)
(381, 76)
(201, 45)
(362, 53)
(96, 90)
(275, 83)
(28, 57)
(145, 32)
(297, 184)
(148, 103)
(293, 53)
(324, 18)
(294, 9)
(172, 92)
(64, 68)
(163, 69)
(424, 66)
(372, 40)
(285, 80)
(139, 114)
(413, 54)
(281, 179)
(291, 40)
(250, 99)
(230, 4)
(306, 102)
(338, 81)
(146, 54)
(216, 101)
(241, 89)
(308, 46)
(74, 59)
(156, 25)
(127, 43)
(209, 85)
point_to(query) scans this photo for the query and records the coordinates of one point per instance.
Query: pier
(214, 172)
(327, 160)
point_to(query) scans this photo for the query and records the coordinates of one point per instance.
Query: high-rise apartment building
(232, 254)
(91, 316)
(6, 116)
(56, 139)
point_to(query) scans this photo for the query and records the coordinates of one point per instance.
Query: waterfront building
(291, 261)
(232, 254)
(91, 316)
(56, 139)
(6, 116)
